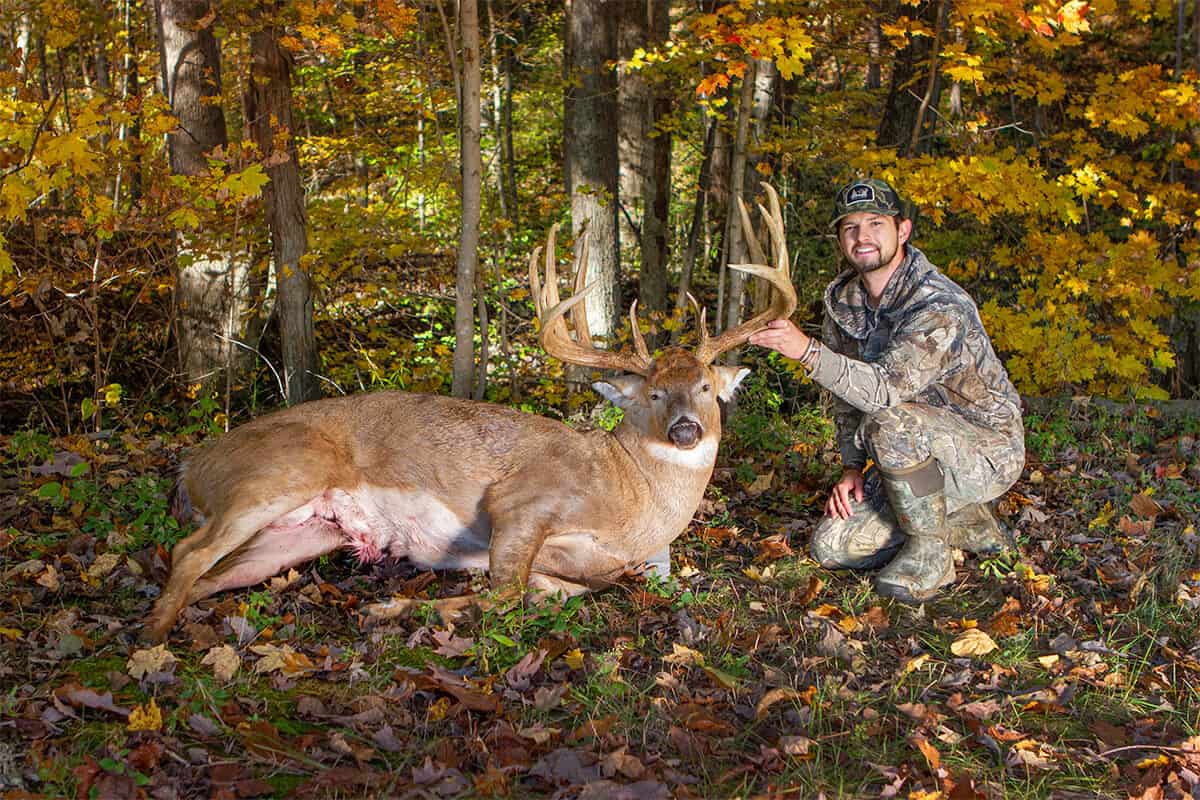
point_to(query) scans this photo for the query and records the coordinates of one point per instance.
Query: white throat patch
(701, 456)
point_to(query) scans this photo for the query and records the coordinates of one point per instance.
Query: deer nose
(685, 432)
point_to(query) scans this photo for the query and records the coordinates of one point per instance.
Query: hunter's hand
(850, 486)
(783, 337)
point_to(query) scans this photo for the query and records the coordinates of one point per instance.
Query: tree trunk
(633, 109)
(692, 246)
(910, 79)
(656, 185)
(509, 160)
(500, 174)
(874, 45)
(736, 251)
(211, 281)
(472, 179)
(766, 77)
(270, 119)
(592, 154)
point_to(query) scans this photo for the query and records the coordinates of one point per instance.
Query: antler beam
(551, 311)
(783, 298)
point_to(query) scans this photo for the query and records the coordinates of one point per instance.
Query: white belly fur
(378, 521)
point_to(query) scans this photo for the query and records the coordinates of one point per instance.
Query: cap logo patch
(860, 193)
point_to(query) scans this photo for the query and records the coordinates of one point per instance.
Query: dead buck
(454, 484)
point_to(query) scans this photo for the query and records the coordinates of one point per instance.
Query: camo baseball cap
(865, 194)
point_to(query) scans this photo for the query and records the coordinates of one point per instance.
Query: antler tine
(783, 299)
(635, 330)
(701, 322)
(583, 331)
(556, 338)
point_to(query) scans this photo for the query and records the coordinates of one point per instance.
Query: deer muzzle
(685, 432)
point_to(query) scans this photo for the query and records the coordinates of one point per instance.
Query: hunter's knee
(890, 430)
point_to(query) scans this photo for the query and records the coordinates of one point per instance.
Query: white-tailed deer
(452, 483)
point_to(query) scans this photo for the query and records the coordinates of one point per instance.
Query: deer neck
(664, 463)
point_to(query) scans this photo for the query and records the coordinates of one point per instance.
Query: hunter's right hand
(850, 486)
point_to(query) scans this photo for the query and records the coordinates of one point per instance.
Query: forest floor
(1068, 669)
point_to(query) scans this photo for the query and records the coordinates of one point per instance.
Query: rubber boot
(926, 561)
(974, 528)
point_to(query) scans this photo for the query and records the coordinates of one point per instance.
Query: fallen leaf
(281, 582)
(795, 745)
(49, 578)
(450, 645)
(916, 662)
(574, 658)
(1144, 505)
(520, 675)
(815, 585)
(972, 642)
(761, 484)
(773, 547)
(932, 757)
(152, 659)
(224, 660)
(684, 656)
(772, 697)
(104, 564)
(281, 659)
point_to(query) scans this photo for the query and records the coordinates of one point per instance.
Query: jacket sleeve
(919, 355)
(846, 418)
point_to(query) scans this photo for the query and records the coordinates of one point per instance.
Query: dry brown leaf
(1144, 505)
(772, 697)
(795, 745)
(684, 656)
(815, 585)
(152, 659)
(224, 660)
(932, 757)
(972, 642)
(1007, 621)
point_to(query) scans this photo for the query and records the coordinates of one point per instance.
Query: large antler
(556, 339)
(783, 297)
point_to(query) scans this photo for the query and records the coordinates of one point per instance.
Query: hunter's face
(873, 241)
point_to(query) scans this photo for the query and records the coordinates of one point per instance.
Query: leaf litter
(1071, 669)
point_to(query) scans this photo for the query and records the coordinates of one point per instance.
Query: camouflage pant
(979, 465)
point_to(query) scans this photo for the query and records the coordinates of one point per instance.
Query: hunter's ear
(728, 380)
(620, 391)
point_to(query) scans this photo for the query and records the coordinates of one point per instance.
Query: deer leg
(511, 553)
(215, 540)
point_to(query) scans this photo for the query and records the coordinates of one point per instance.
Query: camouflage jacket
(924, 343)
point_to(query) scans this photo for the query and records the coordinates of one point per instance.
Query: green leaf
(50, 491)
(502, 639)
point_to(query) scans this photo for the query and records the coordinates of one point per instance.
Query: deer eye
(656, 396)
(706, 388)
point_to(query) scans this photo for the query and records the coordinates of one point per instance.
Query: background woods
(269, 198)
(210, 209)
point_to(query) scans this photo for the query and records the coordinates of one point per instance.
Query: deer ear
(621, 391)
(729, 379)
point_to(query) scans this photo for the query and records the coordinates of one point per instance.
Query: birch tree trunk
(472, 179)
(270, 118)
(736, 251)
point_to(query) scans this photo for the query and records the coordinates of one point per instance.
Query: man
(919, 390)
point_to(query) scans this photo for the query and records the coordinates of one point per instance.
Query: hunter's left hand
(783, 337)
